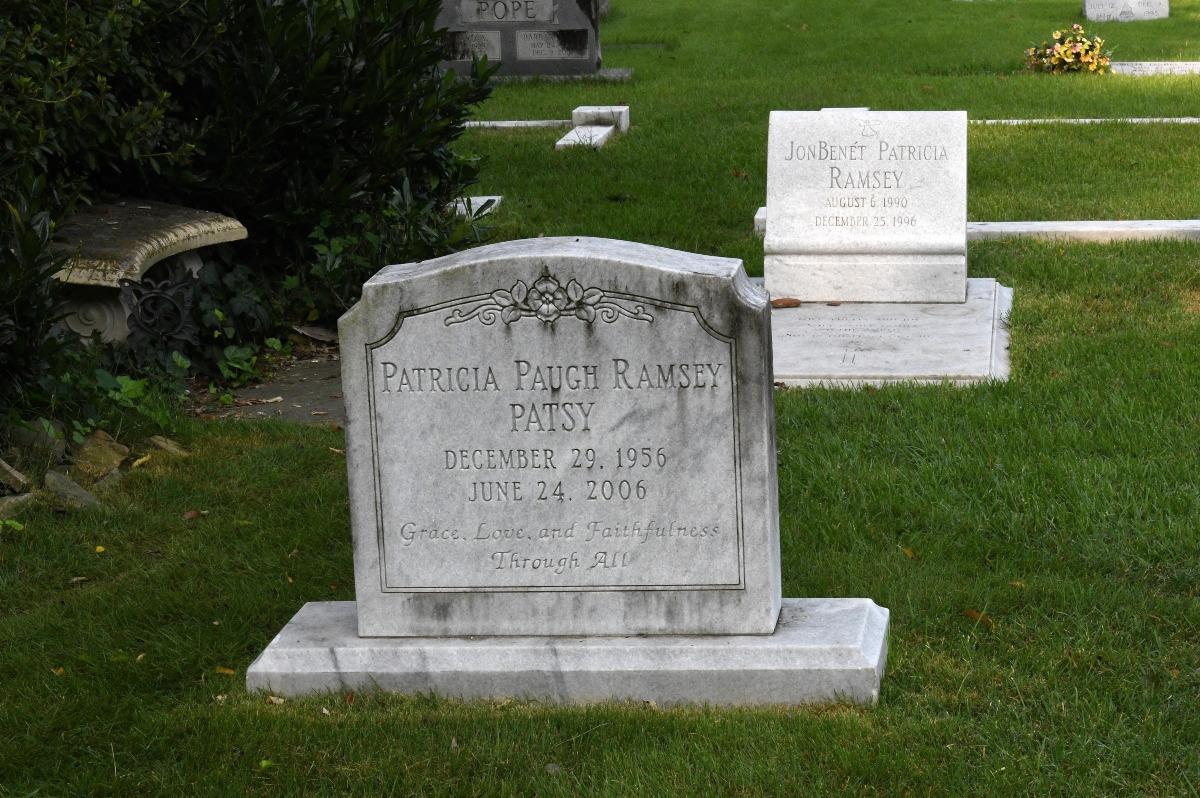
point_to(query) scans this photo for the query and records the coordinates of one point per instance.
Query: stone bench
(121, 241)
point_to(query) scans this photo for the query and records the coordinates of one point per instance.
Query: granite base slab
(823, 650)
(846, 345)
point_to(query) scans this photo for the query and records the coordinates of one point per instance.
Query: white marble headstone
(867, 206)
(562, 436)
(1125, 10)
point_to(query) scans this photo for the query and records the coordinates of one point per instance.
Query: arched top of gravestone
(563, 436)
(623, 271)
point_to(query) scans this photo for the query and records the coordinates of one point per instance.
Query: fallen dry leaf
(980, 617)
(290, 580)
(337, 451)
(192, 515)
(219, 698)
(349, 699)
(785, 302)
(909, 553)
(276, 699)
(453, 743)
(60, 671)
(78, 580)
(273, 400)
(139, 658)
(141, 461)
(1017, 583)
(226, 671)
(325, 711)
(292, 554)
(99, 549)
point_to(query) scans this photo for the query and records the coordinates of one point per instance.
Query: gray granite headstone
(526, 37)
(1125, 10)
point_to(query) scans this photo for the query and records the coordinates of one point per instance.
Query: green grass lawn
(1038, 541)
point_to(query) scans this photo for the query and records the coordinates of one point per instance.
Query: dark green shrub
(318, 114)
(32, 342)
(79, 107)
(302, 118)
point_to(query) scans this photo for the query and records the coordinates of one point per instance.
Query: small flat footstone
(823, 650)
(853, 344)
(594, 136)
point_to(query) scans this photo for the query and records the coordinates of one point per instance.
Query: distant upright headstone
(867, 206)
(558, 440)
(1125, 10)
(526, 37)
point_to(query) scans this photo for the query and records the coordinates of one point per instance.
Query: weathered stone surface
(871, 343)
(98, 455)
(823, 650)
(110, 480)
(562, 436)
(10, 504)
(867, 206)
(67, 492)
(14, 480)
(612, 115)
(35, 446)
(1125, 10)
(123, 239)
(594, 136)
(526, 37)
(169, 446)
(1139, 69)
